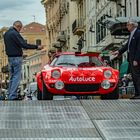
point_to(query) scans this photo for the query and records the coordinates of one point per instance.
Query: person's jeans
(15, 67)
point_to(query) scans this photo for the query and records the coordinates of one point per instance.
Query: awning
(124, 68)
(117, 26)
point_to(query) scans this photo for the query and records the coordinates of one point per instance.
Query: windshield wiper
(66, 63)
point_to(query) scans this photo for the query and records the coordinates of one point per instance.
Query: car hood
(82, 74)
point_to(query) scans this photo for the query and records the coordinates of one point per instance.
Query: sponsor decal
(82, 79)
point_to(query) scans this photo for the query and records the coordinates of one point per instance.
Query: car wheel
(39, 94)
(111, 96)
(45, 94)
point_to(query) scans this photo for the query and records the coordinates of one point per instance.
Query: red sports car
(82, 74)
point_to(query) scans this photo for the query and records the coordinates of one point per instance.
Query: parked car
(31, 89)
(76, 74)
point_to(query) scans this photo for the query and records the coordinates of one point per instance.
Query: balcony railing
(78, 27)
(61, 37)
(56, 44)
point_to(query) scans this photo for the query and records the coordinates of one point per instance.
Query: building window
(38, 42)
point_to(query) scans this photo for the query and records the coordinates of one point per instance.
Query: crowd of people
(126, 85)
(132, 47)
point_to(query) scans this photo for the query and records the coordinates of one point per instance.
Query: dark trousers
(136, 77)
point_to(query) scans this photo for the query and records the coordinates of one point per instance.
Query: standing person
(133, 48)
(106, 63)
(13, 47)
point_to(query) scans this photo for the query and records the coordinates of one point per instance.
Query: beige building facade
(3, 59)
(34, 33)
(86, 24)
(79, 24)
(60, 16)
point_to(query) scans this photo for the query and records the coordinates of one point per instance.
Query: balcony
(63, 8)
(61, 37)
(56, 44)
(78, 27)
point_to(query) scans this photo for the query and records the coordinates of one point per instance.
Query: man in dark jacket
(13, 47)
(133, 49)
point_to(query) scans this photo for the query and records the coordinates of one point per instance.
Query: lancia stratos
(78, 74)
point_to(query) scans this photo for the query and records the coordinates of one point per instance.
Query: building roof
(33, 27)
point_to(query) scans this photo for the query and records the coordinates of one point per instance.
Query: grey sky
(24, 10)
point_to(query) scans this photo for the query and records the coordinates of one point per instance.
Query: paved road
(70, 120)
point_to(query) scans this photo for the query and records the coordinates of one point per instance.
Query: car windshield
(72, 60)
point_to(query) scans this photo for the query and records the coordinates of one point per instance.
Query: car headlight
(105, 84)
(56, 74)
(59, 85)
(107, 74)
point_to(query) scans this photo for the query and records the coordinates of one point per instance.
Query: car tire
(45, 94)
(111, 96)
(39, 94)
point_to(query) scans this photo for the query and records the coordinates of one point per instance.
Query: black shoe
(135, 97)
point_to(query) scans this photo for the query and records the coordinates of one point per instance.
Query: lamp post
(28, 72)
(6, 80)
(28, 76)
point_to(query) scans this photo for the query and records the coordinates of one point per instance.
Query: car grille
(81, 87)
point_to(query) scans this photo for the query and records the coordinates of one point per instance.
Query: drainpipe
(60, 13)
(125, 8)
(137, 4)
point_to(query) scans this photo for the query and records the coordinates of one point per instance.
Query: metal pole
(0, 84)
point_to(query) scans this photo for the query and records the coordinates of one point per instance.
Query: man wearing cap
(133, 48)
